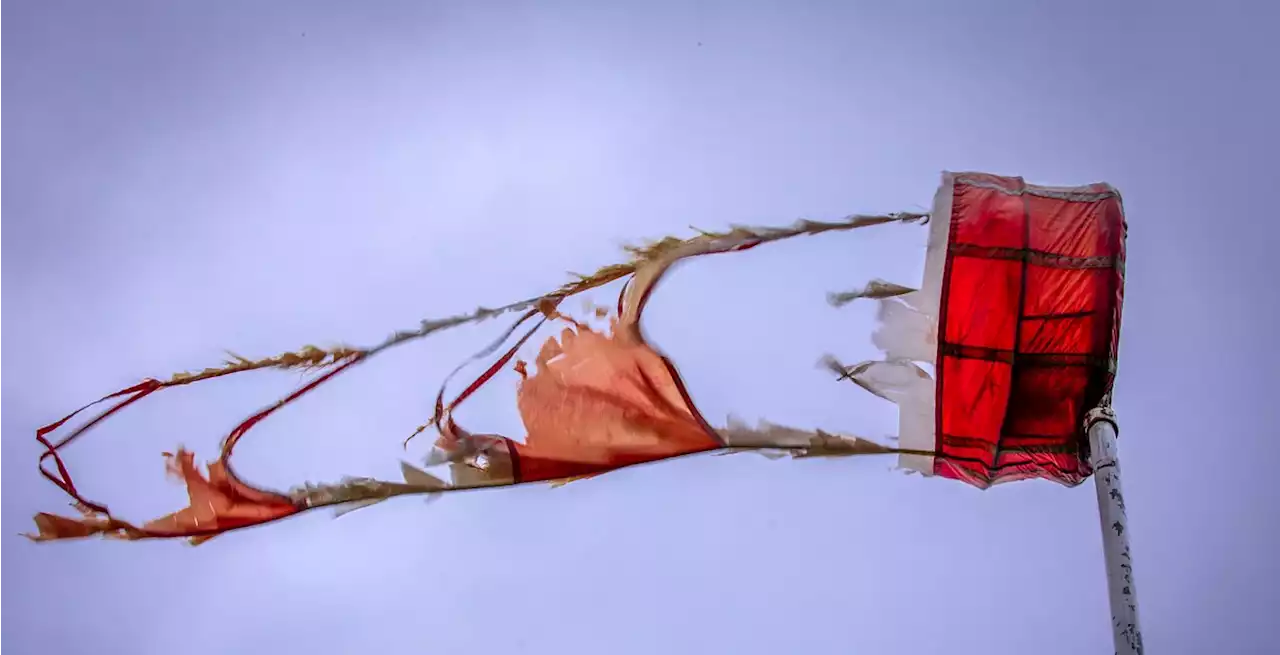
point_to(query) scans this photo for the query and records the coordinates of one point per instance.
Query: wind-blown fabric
(594, 401)
(1019, 315)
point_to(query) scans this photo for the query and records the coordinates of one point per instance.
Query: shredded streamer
(595, 401)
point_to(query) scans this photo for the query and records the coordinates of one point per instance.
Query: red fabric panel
(987, 292)
(979, 395)
(1001, 222)
(1029, 328)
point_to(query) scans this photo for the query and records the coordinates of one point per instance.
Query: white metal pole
(1102, 428)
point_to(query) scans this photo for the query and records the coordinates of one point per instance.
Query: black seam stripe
(1001, 355)
(1040, 360)
(1019, 360)
(1034, 256)
(956, 441)
(1062, 316)
(957, 209)
(1027, 190)
(994, 471)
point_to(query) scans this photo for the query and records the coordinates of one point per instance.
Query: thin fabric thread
(596, 402)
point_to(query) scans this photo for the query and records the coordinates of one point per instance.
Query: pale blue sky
(252, 177)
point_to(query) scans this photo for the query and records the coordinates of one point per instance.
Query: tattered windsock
(993, 363)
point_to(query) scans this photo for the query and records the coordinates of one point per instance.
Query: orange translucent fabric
(599, 402)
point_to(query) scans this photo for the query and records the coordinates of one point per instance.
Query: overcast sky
(184, 178)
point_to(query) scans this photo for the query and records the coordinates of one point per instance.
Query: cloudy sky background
(184, 178)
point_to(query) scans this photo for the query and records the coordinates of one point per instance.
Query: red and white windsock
(1000, 363)
(1019, 316)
